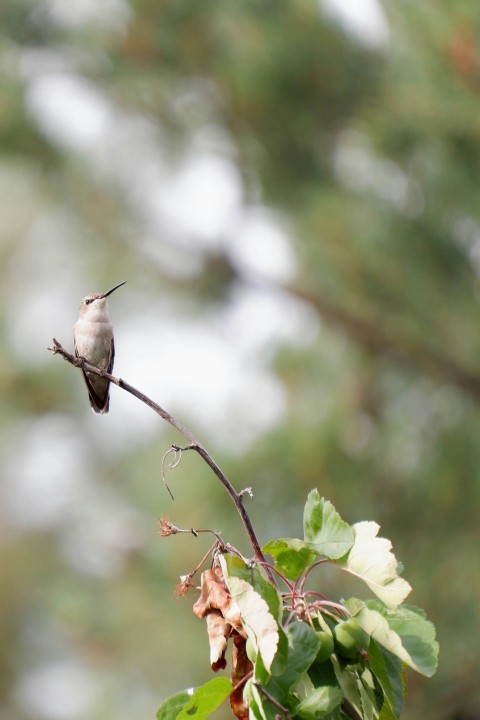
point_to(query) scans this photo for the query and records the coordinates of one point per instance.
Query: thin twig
(308, 571)
(193, 443)
(242, 681)
(272, 700)
(237, 499)
(324, 603)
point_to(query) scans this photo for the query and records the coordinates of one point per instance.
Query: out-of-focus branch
(193, 443)
(374, 337)
(377, 339)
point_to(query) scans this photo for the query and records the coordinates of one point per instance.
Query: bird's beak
(114, 288)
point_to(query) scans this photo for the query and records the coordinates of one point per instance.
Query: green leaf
(303, 646)
(322, 674)
(320, 702)
(260, 606)
(255, 605)
(233, 566)
(260, 673)
(260, 707)
(257, 619)
(172, 706)
(253, 707)
(405, 632)
(348, 681)
(197, 704)
(390, 676)
(206, 699)
(371, 560)
(418, 637)
(325, 531)
(366, 690)
(291, 556)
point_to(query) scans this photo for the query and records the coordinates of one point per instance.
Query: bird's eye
(88, 301)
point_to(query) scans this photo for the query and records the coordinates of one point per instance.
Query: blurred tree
(366, 156)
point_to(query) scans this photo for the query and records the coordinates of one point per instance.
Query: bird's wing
(99, 402)
(112, 357)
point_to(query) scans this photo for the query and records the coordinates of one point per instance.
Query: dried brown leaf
(241, 667)
(215, 596)
(218, 633)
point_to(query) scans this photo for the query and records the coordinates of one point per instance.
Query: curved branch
(193, 443)
(375, 338)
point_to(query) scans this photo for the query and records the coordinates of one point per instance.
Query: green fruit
(350, 639)
(326, 646)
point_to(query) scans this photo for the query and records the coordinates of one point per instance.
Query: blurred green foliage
(370, 156)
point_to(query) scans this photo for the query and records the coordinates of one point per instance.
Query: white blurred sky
(363, 18)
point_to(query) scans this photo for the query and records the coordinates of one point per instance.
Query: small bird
(93, 340)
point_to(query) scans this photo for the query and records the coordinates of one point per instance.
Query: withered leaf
(222, 615)
(218, 633)
(241, 666)
(215, 596)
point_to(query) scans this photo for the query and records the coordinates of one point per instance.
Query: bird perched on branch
(93, 340)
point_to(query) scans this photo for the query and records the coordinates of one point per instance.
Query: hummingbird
(93, 340)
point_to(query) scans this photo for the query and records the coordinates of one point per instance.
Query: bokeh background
(292, 191)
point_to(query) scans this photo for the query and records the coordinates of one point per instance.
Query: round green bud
(326, 646)
(350, 639)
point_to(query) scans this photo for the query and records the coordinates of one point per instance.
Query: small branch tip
(246, 491)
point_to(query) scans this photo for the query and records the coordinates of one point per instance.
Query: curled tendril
(177, 456)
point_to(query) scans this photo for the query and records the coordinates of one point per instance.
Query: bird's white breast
(93, 340)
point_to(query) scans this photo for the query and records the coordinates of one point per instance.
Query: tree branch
(375, 338)
(193, 443)
(401, 346)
